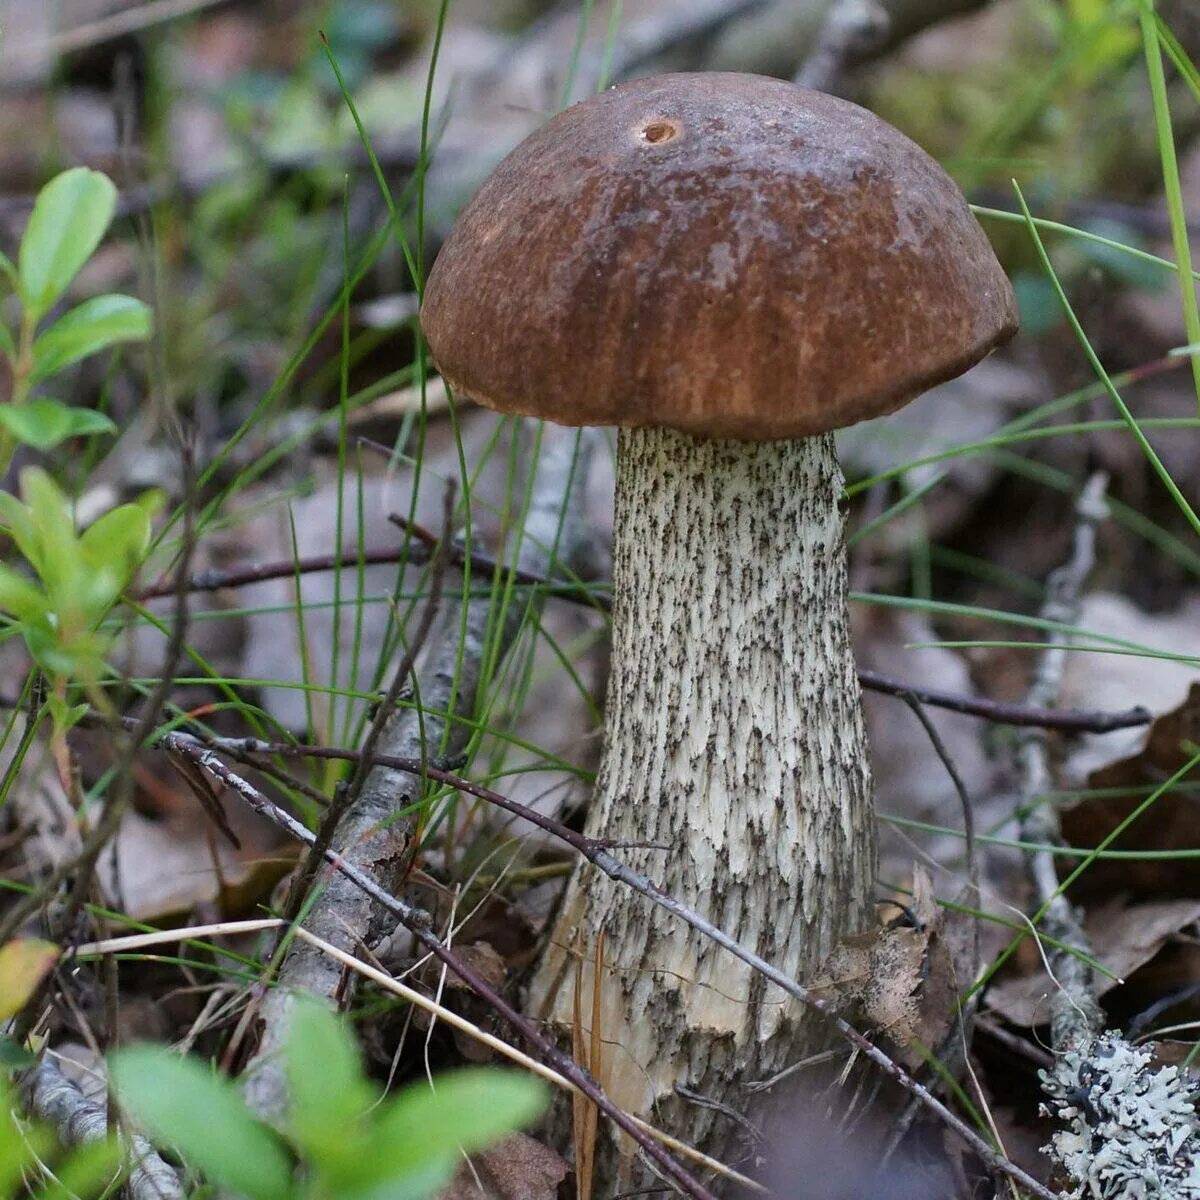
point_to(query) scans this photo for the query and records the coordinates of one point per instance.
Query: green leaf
(15, 521)
(44, 423)
(185, 1104)
(120, 536)
(111, 550)
(8, 347)
(17, 1149)
(63, 716)
(93, 326)
(14, 1056)
(328, 1093)
(19, 597)
(70, 216)
(49, 540)
(419, 1136)
(86, 1172)
(8, 270)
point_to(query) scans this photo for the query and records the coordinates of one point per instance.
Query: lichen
(1130, 1130)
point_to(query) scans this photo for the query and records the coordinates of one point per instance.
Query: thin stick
(142, 941)
(419, 923)
(597, 595)
(347, 795)
(599, 856)
(964, 800)
(120, 24)
(1067, 720)
(959, 1035)
(78, 1121)
(1075, 1013)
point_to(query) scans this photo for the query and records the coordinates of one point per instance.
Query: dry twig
(598, 595)
(52, 1097)
(857, 31)
(420, 925)
(1076, 1016)
(1125, 1128)
(375, 837)
(599, 856)
(139, 941)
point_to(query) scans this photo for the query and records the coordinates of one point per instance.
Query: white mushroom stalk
(735, 755)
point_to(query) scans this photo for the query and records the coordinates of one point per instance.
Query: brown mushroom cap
(724, 254)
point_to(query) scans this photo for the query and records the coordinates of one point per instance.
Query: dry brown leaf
(483, 959)
(1123, 937)
(519, 1168)
(167, 856)
(903, 979)
(1169, 824)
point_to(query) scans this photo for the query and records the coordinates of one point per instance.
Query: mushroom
(729, 268)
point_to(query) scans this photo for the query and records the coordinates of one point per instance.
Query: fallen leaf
(1169, 824)
(24, 963)
(1119, 681)
(904, 979)
(519, 1168)
(1122, 937)
(486, 963)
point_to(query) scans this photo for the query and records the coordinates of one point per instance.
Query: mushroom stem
(735, 746)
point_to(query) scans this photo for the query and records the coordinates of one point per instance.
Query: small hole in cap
(659, 131)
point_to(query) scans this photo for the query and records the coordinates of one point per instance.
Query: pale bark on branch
(1124, 1127)
(374, 835)
(51, 1097)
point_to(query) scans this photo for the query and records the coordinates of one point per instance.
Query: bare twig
(140, 941)
(964, 799)
(420, 924)
(1029, 715)
(375, 835)
(52, 1097)
(347, 795)
(854, 31)
(134, 19)
(1075, 1016)
(950, 1053)
(1126, 1126)
(246, 576)
(857, 31)
(598, 854)
(598, 595)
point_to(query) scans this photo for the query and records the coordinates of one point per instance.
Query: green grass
(339, 691)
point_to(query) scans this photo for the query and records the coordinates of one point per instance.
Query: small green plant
(70, 217)
(77, 578)
(342, 1142)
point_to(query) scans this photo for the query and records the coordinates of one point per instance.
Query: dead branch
(420, 925)
(597, 854)
(347, 794)
(375, 837)
(597, 595)
(1066, 720)
(51, 1097)
(857, 31)
(1076, 1016)
(128, 942)
(1125, 1128)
